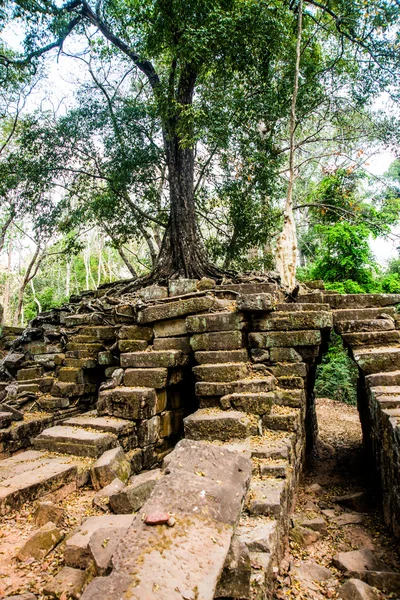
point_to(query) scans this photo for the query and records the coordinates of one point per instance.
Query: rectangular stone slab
(223, 321)
(361, 314)
(287, 321)
(204, 489)
(73, 440)
(172, 310)
(378, 359)
(108, 424)
(31, 474)
(285, 339)
(128, 402)
(343, 301)
(158, 358)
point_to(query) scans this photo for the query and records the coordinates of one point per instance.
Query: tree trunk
(28, 276)
(286, 250)
(182, 252)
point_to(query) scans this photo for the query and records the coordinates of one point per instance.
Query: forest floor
(338, 467)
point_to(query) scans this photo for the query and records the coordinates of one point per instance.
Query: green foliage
(337, 374)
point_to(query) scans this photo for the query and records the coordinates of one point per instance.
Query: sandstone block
(220, 321)
(209, 388)
(135, 332)
(282, 339)
(255, 302)
(179, 287)
(205, 283)
(172, 310)
(377, 360)
(173, 343)
(223, 340)
(221, 356)
(170, 328)
(48, 511)
(356, 561)
(354, 589)
(265, 497)
(153, 292)
(221, 372)
(112, 464)
(40, 543)
(159, 358)
(68, 580)
(236, 575)
(133, 496)
(128, 402)
(72, 440)
(256, 403)
(219, 425)
(132, 345)
(151, 377)
(102, 498)
(289, 321)
(149, 431)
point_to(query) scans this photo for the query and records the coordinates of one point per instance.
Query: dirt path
(337, 469)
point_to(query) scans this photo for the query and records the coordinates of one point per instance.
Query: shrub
(337, 374)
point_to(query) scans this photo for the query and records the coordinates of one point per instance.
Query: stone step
(302, 306)
(72, 375)
(31, 474)
(222, 340)
(390, 378)
(155, 358)
(209, 388)
(73, 440)
(277, 468)
(204, 490)
(265, 497)
(214, 424)
(221, 356)
(29, 374)
(151, 377)
(132, 345)
(285, 339)
(389, 401)
(285, 419)
(253, 288)
(131, 402)
(288, 321)
(172, 310)
(361, 314)
(65, 388)
(386, 390)
(105, 332)
(80, 363)
(258, 404)
(173, 343)
(376, 360)
(372, 338)
(349, 301)
(90, 420)
(221, 372)
(222, 321)
(89, 348)
(365, 325)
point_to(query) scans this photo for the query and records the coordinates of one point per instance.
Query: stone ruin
(191, 411)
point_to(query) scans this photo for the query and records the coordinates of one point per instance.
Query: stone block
(5, 420)
(173, 343)
(354, 589)
(266, 497)
(153, 292)
(132, 345)
(256, 403)
(289, 321)
(255, 302)
(296, 369)
(112, 464)
(220, 321)
(135, 332)
(134, 495)
(72, 440)
(284, 339)
(367, 325)
(179, 287)
(208, 388)
(16, 415)
(30, 373)
(206, 283)
(223, 340)
(102, 498)
(219, 425)
(154, 378)
(159, 358)
(170, 328)
(221, 372)
(67, 581)
(221, 356)
(372, 338)
(362, 314)
(77, 551)
(47, 512)
(149, 431)
(40, 543)
(377, 360)
(236, 575)
(172, 310)
(128, 402)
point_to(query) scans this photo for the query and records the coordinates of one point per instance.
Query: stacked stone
(369, 325)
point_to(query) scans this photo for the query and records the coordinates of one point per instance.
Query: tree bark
(286, 251)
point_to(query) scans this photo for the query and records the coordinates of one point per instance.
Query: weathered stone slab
(112, 464)
(48, 511)
(128, 402)
(259, 404)
(172, 310)
(69, 579)
(30, 373)
(235, 580)
(356, 561)
(278, 355)
(221, 321)
(153, 292)
(221, 372)
(344, 301)
(135, 332)
(72, 440)
(132, 345)
(40, 543)
(132, 497)
(282, 339)
(302, 306)
(222, 340)
(259, 535)
(173, 343)
(391, 378)
(209, 388)
(255, 287)
(170, 328)
(83, 319)
(90, 420)
(377, 360)
(154, 378)
(182, 570)
(367, 325)
(288, 321)
(221, 356)
(286, 370)
(255, 302)
(265, 497)
(158, 358)
(372, 338)
(362, 314)
(355, 589)
(102, 498)
(219, 425)
(77, 547)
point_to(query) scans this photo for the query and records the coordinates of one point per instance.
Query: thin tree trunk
(68, 279)
(25, 281)
(36, 299)
(286, 256)
(3, 230)
(6, 298)
(126, 261)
